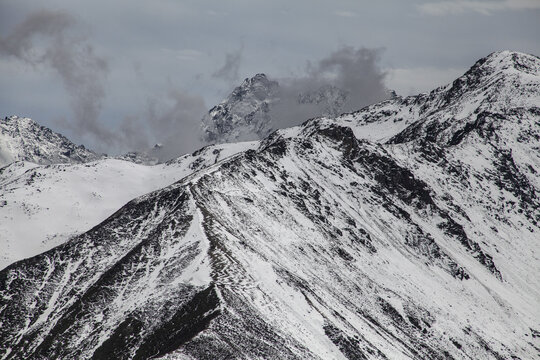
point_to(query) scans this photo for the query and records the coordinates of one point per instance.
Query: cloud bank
(346, 80)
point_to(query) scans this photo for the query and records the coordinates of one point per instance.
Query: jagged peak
(15, 120)
(257, 78)
(259, 81)
(243, 115)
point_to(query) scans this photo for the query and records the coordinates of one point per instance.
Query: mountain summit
(244, 114)
(22, 139)
(405, 230)
(255, 108)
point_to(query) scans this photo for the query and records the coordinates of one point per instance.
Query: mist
(343, 81)
(230, 71)
(346, 80)
(176, 124)
(54, 39)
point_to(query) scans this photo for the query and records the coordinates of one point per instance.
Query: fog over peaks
(345, 80)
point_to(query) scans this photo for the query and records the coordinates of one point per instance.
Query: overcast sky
(99, 71)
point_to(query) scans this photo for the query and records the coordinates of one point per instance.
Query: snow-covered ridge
(496, 84)
(341, 238)
(22, 139)
(43, 206)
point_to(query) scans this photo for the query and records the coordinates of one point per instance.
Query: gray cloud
(172, 121)
(230, 70)
(346, 80)
(346, 13)
(69, 54)
(481, 7)
(133, 134)
(165, 39)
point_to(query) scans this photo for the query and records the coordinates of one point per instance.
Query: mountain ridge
(42, 206)
(391, 232)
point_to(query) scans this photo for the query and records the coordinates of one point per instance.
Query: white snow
(43, 206)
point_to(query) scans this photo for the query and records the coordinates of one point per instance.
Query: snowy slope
(331, 240)
(22, 139)
(42, 206)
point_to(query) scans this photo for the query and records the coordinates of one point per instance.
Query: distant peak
(258, 80)
(15, 118)
(260, 77)
(23, 139)
(510, 54)
(504, 61)
(12, 117)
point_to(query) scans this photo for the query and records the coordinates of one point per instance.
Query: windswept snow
(43, 206)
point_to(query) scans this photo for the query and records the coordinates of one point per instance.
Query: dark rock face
(347, 345)
(319, 244)
(190, 320)
(510, 178)
(244, 115)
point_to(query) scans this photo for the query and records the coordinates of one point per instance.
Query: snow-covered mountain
(408, 229)
(22, 139)
(42, 206)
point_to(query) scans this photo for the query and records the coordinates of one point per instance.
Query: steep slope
(21, 139)
(317, 244)
(43, 206)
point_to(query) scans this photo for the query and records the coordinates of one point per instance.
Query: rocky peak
(258, 87)
(485, 101)
(494, 72)
(244, 114)
(22, 139)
